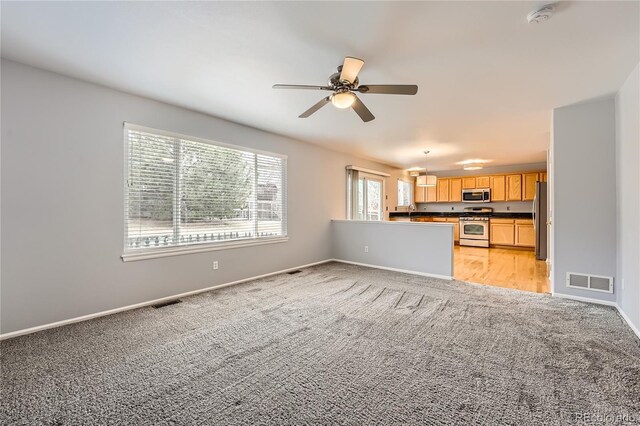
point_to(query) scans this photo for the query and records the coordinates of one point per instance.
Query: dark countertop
(502, 215)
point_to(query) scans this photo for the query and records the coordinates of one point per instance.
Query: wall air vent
(590, 282)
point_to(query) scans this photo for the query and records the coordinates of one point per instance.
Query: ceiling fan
(345, 84)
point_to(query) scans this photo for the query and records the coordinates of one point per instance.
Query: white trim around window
(404, 189)
(190, 195)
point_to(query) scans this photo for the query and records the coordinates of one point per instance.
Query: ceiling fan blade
(362, 110)
(350, 69)
(389, 89)
(300, 86)
(315, 108)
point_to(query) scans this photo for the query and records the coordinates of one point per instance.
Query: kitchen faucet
(412, 208)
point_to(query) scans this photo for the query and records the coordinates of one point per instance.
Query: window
(404, 193)
(188, 194)
(365, 193)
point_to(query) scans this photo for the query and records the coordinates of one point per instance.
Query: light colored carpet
(335, 344)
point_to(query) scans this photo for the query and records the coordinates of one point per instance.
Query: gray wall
(62, 201)
(418, 247)
(628, 195)
(584, 194)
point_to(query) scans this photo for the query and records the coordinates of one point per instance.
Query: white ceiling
(487, 79)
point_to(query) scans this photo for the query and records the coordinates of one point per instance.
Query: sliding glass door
(366, 197)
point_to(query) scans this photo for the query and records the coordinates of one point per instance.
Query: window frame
(142, 254)
(353, 173)
(409, 191)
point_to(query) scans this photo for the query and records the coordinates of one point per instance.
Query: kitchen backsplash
(499, 206)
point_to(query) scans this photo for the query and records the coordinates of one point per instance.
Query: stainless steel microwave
(476, 195)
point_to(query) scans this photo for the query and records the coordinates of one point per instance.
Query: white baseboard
(584, 299)
(601, 302)
(628, 320)
(190, 293)
(404, 271)
(148, 303)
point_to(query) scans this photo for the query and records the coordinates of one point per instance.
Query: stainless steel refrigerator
(540, 220)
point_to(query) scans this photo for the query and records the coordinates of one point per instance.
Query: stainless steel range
(474, 226)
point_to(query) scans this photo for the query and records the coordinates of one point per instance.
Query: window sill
(179, 251)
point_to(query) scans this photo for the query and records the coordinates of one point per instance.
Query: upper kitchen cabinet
(529, 186)
(497, 186)
(432, 194)
(514, 187)
(504, 187)
(425, 194)
(419, 194)
(443, 190)
(483, 182)
(468, 183)
(455, 190)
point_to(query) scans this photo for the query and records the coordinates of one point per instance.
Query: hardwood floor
(509, 268)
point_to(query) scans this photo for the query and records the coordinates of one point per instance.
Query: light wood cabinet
(455, 190)
(432, 194)
(497, 186)
(508, 187)
(514, 187)
(483, 182)
(502, 232)
(468, 182)
(529, 186)
(525, 233)
(453, 220)
(421, 219)
(425, 194)
(456, 228)
(419, 194)
(443, 190)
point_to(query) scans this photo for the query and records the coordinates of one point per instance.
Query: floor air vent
(590, 282)
(163, 304)
(297, 271)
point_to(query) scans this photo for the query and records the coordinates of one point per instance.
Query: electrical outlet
(366, 249)
(215, 265)
(622, 283)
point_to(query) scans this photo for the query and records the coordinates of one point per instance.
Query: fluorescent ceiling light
(415, 171)
(472, 167)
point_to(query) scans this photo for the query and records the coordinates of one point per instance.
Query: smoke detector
(539, 16)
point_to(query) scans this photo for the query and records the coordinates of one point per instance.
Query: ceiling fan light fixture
(344, 85)
(343, 100)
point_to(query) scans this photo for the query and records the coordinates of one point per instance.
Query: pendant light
(426, 179)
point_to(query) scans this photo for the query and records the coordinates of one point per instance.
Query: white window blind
(183, 192)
